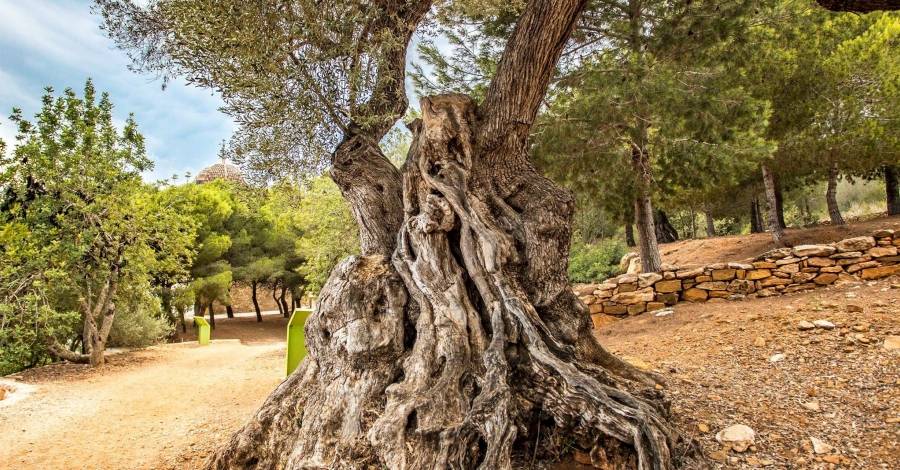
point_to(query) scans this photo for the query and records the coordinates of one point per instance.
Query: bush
(595, 262)
(139, 323)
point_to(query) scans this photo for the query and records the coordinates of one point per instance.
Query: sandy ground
(831, 385)
(161, 407)
(739, 247)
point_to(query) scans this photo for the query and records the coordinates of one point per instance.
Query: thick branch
(524, 72)
(61, 352)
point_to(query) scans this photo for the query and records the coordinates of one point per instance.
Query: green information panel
(202, 330)
(296, 339)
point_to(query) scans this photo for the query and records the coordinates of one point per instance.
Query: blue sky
(59, 43)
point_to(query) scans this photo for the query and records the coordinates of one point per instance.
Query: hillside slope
(740, 247)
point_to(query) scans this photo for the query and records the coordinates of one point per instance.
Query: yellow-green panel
(202, 330)
(296, 339)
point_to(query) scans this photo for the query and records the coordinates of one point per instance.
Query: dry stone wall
(776, 272)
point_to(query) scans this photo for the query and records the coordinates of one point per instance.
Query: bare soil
(716, 358)
(740, 247)
(164, 407)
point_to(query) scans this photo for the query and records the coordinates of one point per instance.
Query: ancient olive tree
(454, 339)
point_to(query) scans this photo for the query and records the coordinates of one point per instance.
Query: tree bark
(466, 346)
(651, 261)
(710, 224)
(892, 189)
(275, 298)
(253, 287)
(665, 232)
(212, 316)
(834, 212)
(774, 226)
(284, 305)
(756, 225)
(449, 354)
(779, 201)
(229, 312)
(629, 234)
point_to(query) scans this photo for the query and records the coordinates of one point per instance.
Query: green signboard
(202, 330)
(296, 339)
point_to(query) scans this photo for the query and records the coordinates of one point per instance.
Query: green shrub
(596, 261)
(139, 322)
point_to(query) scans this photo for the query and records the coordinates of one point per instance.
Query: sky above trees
(59, 43)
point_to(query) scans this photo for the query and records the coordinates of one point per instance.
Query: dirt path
(840, 385)
(162, 407)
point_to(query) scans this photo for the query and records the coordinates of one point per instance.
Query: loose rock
(738, 436)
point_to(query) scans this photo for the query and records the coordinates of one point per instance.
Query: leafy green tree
(75, 202)
(329, 233)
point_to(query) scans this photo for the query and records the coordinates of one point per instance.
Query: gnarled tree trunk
(455, 340)
(253, 292)
(456, 350)
(834, 212)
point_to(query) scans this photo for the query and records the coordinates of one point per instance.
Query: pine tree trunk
(283, 302)
(774, 226)
(275, 298)
(629, 234)
(212, 316)
(710, 224)
(754, 217)
(779, 202)
(693, 223)
(892, 189)
(454, 351)
(665, 231)
(253, 287)
(229, 312)
(834, 212)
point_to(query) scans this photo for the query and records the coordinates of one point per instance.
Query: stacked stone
(775, 272)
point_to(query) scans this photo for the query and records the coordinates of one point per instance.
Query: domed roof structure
(221, 170)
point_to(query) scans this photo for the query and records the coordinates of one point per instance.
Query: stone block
(764, 265)
(847, 254)
(789, 268)
(703, 278)
(595, 308)
(672, 285)
(882, 251)
(800, 278)
(825, 278)
(648, 279)
(611, 308)
(723, 274)
(712, 285)
(719, 294)
(772, 282)
(860, 266)
(688, 273)
(849, 261)
(820, 262)
(633, 297)
(741, 286)
(813, 250)
(654, 306)
(601, 319)
(757, 274)
(695, 295)
(668, 298)
(855, 244)
(880, 272)
(635, 309)
(627, 287)
(832, 269)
